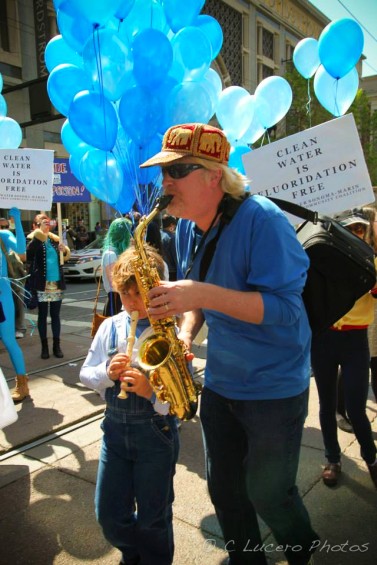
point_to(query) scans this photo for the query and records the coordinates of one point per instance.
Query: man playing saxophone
(245, 272)
(134, 490)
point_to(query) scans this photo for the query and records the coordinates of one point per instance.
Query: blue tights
(7, 328)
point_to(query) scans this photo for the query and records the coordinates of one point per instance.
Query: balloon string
(336, 112)
(97, 53)
(308, 105)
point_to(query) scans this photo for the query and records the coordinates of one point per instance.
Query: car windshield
(96, 244)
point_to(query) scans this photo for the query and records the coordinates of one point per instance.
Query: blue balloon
(212, 29)
(188, 102)
(124, 9)
(108, 61)
(254, 131)
(336, 95)
(235, 157)
(94, 119)
(192, 49)
(58, 52)
(144, 14)
(153, 56)
(273, 98)
(72, 142)
(3, 106)
(10, 134)
(306, 57)
(102, 175)
(74, 164)
(1, 82)
(180, 15)
(63, 83)
(98, 12)
(74, 29)
(141, 154)
(340, 46)
(126, 198)
(140, 114)
(213, 85)
(235, 109)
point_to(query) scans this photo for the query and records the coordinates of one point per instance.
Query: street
(48, 463)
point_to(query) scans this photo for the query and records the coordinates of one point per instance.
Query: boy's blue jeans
(134, 492)
(252, 455)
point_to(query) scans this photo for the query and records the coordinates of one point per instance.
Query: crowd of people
(215, 268)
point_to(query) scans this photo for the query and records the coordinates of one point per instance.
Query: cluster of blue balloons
(332, 61)
(245, 117)
(122, 72)
(10, 130)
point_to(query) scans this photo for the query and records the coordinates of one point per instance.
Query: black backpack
(341, 264)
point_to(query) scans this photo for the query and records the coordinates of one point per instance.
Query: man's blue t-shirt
(257, 251)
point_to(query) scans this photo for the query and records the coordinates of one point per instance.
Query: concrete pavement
(46, 492)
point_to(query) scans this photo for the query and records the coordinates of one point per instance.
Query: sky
(365, 13)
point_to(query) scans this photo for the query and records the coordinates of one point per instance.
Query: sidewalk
(46, 493)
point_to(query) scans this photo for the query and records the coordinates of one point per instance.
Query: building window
(289, 52)
(4, 32)
(268, 44)
(267, 72)
(231, 24)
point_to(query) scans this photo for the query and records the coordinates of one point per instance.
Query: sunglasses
(180, 170)
(4, 227)
(358, 229)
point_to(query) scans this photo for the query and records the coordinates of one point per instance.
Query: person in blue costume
(242, 270)
(16, 243)
(134, 490)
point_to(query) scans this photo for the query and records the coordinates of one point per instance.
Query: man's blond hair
(232, 182)
(123, 274)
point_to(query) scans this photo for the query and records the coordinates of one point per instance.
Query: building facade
(259, 38)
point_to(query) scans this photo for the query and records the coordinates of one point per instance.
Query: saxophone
(163, 354)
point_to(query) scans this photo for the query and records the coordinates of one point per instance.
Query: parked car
(85, 263)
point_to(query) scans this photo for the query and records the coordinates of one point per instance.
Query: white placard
(322, 168)
(26, 178)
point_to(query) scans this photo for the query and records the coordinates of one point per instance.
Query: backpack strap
(228, 208)
(296, 210)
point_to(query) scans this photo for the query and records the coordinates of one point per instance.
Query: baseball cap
(353, 218)
(196, 140)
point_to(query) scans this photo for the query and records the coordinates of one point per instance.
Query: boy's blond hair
(123, 274)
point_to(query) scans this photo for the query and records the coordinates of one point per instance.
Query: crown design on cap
(197, 140)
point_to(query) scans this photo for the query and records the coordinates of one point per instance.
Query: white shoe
(19, 335)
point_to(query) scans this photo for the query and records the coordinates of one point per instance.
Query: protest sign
(322, 168)
(26, 177)
(67, 188)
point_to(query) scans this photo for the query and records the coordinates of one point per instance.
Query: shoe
(45, 354)
(56, 348)
(22, 390)
(331, 473)
(344, 424)
(373, 473)
(19, 335)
